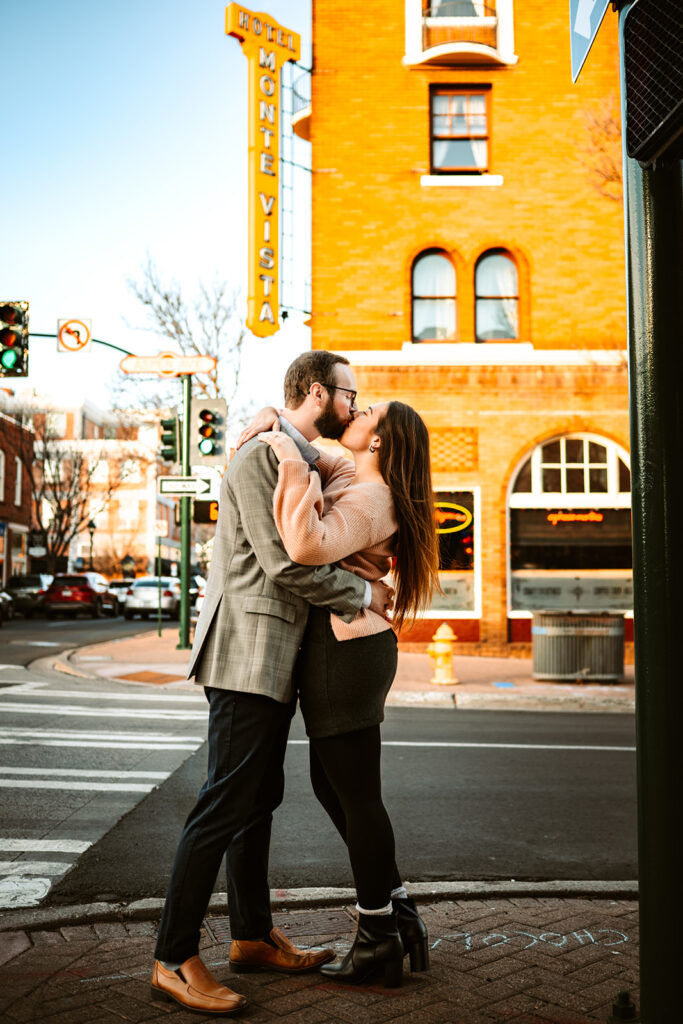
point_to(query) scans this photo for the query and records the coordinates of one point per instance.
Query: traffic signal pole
(185, 508)
(654, 259)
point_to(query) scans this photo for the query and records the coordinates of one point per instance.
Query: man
(246, 642)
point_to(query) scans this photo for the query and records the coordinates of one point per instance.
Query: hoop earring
(372, 449)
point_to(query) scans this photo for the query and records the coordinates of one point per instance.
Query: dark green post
(184, 636)
(654, 258)
(159, 586)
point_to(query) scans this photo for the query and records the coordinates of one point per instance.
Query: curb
(461, 701)
(297, 899)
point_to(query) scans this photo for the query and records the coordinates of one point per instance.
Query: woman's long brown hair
(404, 464)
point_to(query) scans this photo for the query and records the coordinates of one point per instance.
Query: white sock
(375, 913)
(399, 894)
(169, 966)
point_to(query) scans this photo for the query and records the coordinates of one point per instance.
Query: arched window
(572, 470)
(433, 297)
(497, 297)
(570, 528)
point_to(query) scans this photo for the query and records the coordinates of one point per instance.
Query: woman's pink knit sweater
(325, 518)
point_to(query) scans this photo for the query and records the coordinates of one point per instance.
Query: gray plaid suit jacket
(257, 600)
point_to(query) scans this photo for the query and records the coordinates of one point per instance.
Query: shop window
(456, 521)
(433, 298)
(570, 528)
(459, 130)
(497, 297)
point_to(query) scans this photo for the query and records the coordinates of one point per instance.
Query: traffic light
(205, 511)
(207, 432)
(13, 339)
(169, 440)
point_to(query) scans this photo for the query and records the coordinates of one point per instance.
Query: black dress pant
(232, 818)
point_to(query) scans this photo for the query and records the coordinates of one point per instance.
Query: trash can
(578, 647)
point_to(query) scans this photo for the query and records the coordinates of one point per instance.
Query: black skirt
(343, 684)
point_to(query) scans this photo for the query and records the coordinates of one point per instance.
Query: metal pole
(159, 586)
(184, 636)
(654, 269)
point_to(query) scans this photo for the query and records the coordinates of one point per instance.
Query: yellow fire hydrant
(441, 650)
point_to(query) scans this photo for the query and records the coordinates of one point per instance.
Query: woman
(361, 515)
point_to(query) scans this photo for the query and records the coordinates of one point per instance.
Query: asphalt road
(472, 794)
(24, 640)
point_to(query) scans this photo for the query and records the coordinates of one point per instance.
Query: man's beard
(329, 424)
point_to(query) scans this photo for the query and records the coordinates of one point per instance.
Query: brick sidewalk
(531, 961)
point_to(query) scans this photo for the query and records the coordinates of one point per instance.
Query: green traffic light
(9, 359)
(206, 446)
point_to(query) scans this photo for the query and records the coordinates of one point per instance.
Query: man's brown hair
(309, 368)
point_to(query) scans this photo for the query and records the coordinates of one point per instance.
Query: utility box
(578, 647)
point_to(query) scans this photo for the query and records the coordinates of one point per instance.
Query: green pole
(654, 269)
(184, 636)
(159, 586)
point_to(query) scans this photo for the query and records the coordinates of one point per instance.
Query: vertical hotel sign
(267, 46)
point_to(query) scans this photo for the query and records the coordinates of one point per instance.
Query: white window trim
(2, 475)
(612, 498)
(17, 482)
(460, 180)
(504, 53)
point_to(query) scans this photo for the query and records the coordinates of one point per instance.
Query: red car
(72, 593)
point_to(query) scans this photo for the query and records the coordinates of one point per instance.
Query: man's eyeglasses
(335, 387)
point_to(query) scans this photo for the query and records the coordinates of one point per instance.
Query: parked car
(119, 588)
(142, 597)
(199, 601)
(28, 592)
(6, 607)
(197, 583)
(71, 593)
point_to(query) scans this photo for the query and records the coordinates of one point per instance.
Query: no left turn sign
(74, 335)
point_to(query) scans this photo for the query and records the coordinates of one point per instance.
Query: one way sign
(585, 18)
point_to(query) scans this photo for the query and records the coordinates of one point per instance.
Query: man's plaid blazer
(257, 600)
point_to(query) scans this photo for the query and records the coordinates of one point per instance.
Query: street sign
(585, 18)
(168, 364)
(193, 486)
(161, 527)
(74, 335)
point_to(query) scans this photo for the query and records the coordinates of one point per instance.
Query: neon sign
(267, 46)
(447, 512)
(574, 517)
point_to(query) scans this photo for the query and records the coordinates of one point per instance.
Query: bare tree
(67, 486)
(209, 325)
(601, 148)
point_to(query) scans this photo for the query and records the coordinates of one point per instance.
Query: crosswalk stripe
(84, 773)
(98, 744)
(34, 867)
(43, 845)
(99, 787)
(65, 710)
(32, 690)
(132, 737)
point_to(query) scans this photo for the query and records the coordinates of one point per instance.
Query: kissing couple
(295, 608)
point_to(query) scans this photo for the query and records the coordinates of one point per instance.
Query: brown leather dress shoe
(195, 988)
(281, 956)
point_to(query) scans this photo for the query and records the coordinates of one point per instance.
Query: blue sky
(128, 138)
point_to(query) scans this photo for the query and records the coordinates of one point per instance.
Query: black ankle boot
(377, 947)
(413, 932)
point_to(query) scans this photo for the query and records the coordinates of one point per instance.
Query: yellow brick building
(466, 261)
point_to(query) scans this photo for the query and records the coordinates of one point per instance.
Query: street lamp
(91, 530)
